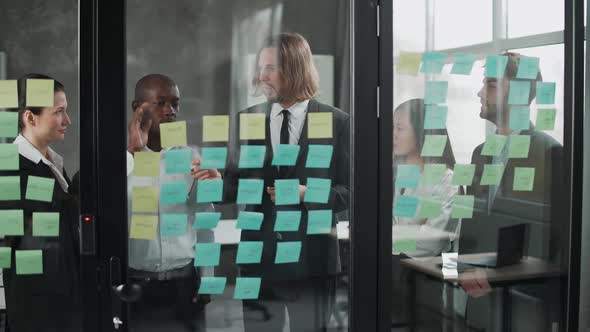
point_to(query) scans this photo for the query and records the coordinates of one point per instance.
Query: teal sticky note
(492, 174)
(285, 155)
(252, 156)
(210, 190)
(10, 188)
(8, 124)
(286, 192)
(9, 159)
(496, 65)
(494, 145)
(462, 64)
(319, 156)
(250, 191)
(518, 93)
(436, 92)
(433, 174)
(463, 206)
(207, 254)
(288, 252)
(524, 178)
(178, 161)
(545, 119)
(250, 220)
(435, 117)
(213, 158)
(5, 257)
(247, 288)
(519, 146)
(173, 224)
(173, 193)
(287, 221)
(433, 62)
(12, 222)
(407, 176)
(520, 117)
(212, 285)
(45, 223)
(206, 220)
(463, 174)
(29, 262)
(40, 189)
(528, 67)
(434, 145)
(405, 206)
(545, 93)
(405, 245)
(318, 190)
(319, 221)
(249, 252)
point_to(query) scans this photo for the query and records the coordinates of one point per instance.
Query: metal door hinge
(378, 103)
(378, 21)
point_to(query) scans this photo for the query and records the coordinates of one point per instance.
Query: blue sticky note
(407, 176)
(405, 206)
(209, 190)
(433, 62)
(436, 92)
(212, 285)
(463, 63)
(435, 117)
(178, 161)
(173, 193)
(545, 93)
(247, 288)
(319, 156)
(213, 158)
(250, 220)
(520, 117)
(285, 155)
(207, 254)
(287, 221)
(519, 91)
(172, 224)
(250, 191)
(288, 252)
(206, 220)
(249, 252)
(318, 190)
(286, 192)
(252, 156)
(319, 222)
(528, 67)
(496, 65)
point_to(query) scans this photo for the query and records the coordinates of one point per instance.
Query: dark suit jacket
(319, 253)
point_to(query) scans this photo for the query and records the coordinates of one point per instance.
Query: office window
(474, 28)
(531, 17)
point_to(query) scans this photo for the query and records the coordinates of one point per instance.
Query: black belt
(179, 273)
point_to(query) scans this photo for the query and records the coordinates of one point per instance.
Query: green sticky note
(433, 174)
(173, 134)
(429, 208)
(319, 156)
(40, 93)
(519, 92)
(207, 254)
(433, 62)
(318, 190)
(145, 199)
(406, 245)
(319, 221)
(29, 261)
(212, 285)
(288, 252)
(494, 145)
(436, 92)
(213, 158)
(520, 117)
(545, 93)
(405, 206)
(250, 220)
(11, 222)
(146, 164)
(287, 221)
(463, 174)
(492, 174)
(8, 94)
(528, 68)
(178, 161)
(435, 117)
(286, 192)
(519, 146)
(45, 223)
(252, 156)
(407, 176)
(8, 124)
(285, 155)
(40, 189)
(249, 252)
(545, 119)
(206, 220)
(250, 191)
(173, 224)
(247, 288)
(5, 257)
(10, 188)
(524, 178)
(463, 63)
(434, 145)
(173, 193)
(210, 190)
(463, 206)
(496, 65)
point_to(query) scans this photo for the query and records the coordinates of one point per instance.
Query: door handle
(127, 292)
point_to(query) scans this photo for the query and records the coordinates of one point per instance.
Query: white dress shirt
(297, 111)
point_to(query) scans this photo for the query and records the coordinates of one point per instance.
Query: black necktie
(284, 139)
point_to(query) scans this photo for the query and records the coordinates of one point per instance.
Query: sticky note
(215, 128)
(319, 221)
(319, 125)
(436, 92)
(146, 164)
(462, 206)
(247, 288)
(249, 252)
(40, 92)
(528, 67)
(545, 93)
(249, 220)
(518, 93)
(9, 94)
(463, 174)
(519, 146)
(207, 254)
(173, 134)
(144, 199)
(206, 220)
(285, 155)
(5, 257)
(250, 191)
(252, 126)
(520, 117)
(252, 156)
(405, 245)
(173, 193)
(212, 285)
(144, 227)
(407, 176)
(178, 161)
(319, 156)
(492, 174)
(11, 222)
(40, 189)
(286, 192)
(8, 124)
(494, 145)
(210, 190)
(435, 117)
(318, 190)
(434, 145)
(173, 224)
(524, 178)
(288, 252)
(409, 63)
(433, 174)
(433, 62)
(45, 223)
(405, 206)
(496, 65)
(213, 158)
(29, 261)
(10, 188)
(429, 207)
(287, 221)
(545, 119)
(463, 63)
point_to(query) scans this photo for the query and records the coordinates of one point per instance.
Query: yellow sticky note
(146, 164)
(40, 92)
(8, 94)
(173, 134)
(252, 126)
(319, 125)
(409, 63)
(145, 199)
(215, 128)
(143, 227)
